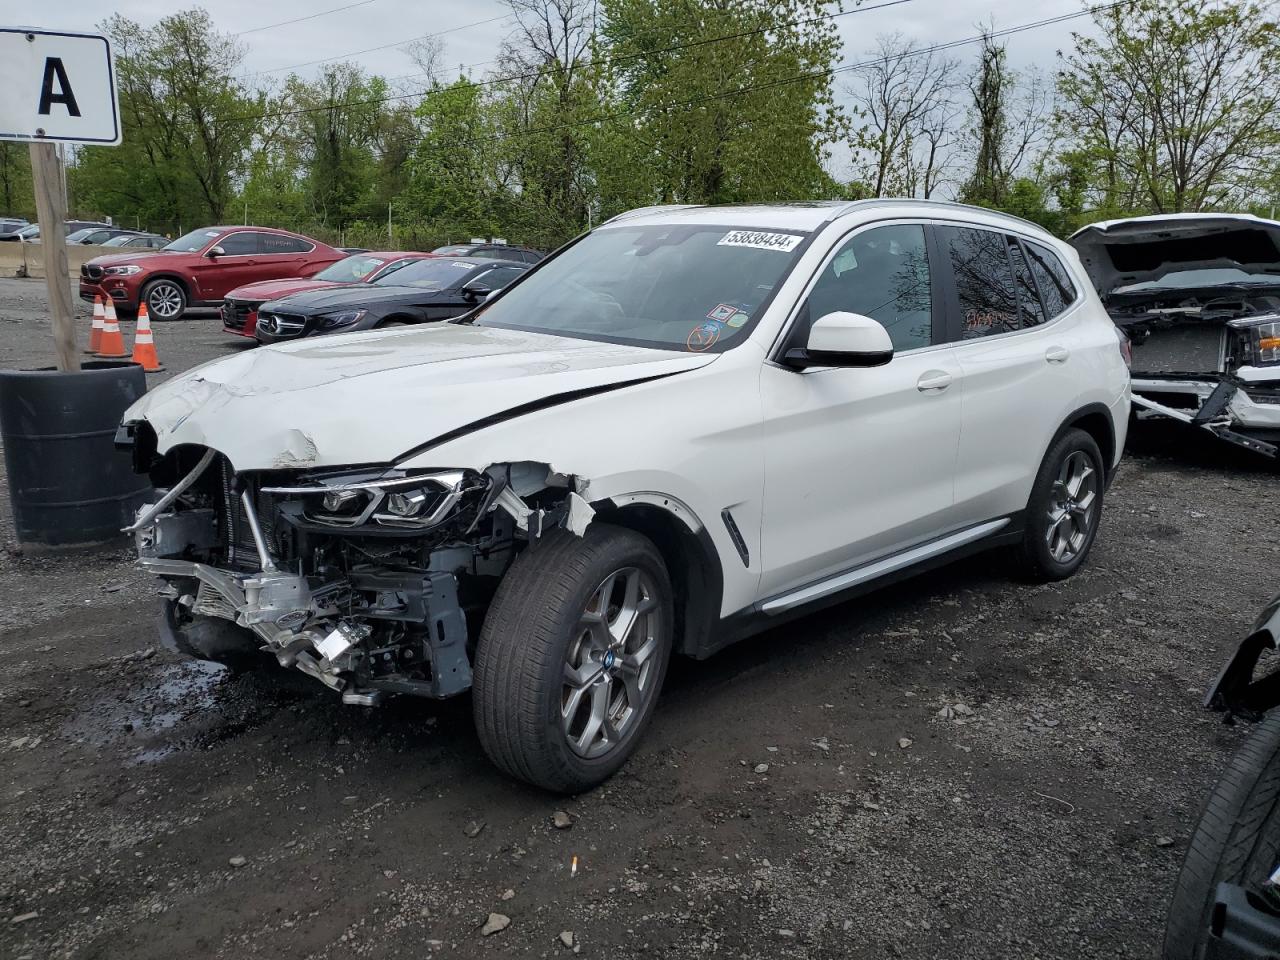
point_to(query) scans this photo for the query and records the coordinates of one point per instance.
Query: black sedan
(434, 289)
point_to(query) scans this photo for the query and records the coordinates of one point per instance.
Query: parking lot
(959, 766)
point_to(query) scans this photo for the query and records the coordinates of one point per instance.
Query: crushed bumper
(1242, 412)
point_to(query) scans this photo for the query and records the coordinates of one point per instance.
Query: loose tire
(1064, 510)
(165, 299)
(572, 657)
(1236, 840)
(209, 638)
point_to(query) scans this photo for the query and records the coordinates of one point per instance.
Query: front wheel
(165, 299)
(1236, 841)
(1064, 510)
(572, 656)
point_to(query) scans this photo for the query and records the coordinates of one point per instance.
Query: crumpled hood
(369, 397)
(1119, 253)
(273, 289)
(351, 295)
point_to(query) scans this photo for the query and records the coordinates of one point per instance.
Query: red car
(240, 308)
(197, 270)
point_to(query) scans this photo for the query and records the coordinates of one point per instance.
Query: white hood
(368, 398)
(1120, 253)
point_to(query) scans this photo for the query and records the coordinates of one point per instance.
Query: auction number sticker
(783, 242)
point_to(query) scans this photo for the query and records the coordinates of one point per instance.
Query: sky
(472, 31)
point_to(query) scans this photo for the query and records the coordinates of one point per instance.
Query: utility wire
(385, 46)
(784, 81)
(493, 81)
(310, 16)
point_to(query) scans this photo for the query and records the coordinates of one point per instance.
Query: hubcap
(1073, 505)
(165, 301)
(609, 674)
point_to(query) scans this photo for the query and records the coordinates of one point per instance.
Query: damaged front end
(373, 581)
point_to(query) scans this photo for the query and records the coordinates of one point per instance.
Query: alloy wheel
(1073, 502)
(609, 669)
(165, 301)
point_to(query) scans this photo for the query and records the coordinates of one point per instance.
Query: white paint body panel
(820, 469)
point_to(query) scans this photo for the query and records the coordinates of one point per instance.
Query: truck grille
(1190, 348)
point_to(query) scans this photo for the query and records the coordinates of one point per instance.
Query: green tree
(17, 197)
(747, 117)
(1175, 106)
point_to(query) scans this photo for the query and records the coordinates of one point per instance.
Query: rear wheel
(1237, 840)
(1064, 509)
(572, 656)
(165, 299)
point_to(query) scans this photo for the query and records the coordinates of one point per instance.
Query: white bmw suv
(684, 427)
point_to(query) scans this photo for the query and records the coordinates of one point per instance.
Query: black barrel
(67, 482)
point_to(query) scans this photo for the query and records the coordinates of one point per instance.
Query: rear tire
(1064, 509)
(572, 657)
(1236, 840)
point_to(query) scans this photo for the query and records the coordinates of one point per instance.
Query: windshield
(674, 287)
(118, 241)
(352, 269)
(29, 232)
(80, 234)
(193, 242)
(456, 250)
(1209, 277)
(428, 274)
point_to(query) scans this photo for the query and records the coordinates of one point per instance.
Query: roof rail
(854, 205)
(641, 211)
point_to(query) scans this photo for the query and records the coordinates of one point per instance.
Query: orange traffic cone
(144, 344)
(112, 343)
(95, 332)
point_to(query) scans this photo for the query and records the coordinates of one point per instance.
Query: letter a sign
(57, 87)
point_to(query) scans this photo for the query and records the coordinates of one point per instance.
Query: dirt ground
(957, 767)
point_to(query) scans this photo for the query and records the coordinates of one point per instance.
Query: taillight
(1126, 347)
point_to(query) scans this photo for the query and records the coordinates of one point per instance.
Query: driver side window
(882, 273)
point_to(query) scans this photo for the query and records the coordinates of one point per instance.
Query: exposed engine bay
(363, 579)
(1199, 299)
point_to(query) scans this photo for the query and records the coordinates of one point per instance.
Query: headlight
(413, 502)
(344, 319)
(127, 271)
(1263, 338)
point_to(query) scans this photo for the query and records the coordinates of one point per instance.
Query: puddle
(145, 719)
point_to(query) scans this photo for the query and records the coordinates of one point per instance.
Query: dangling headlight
(1262, 339)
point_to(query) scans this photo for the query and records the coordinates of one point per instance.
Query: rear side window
(497, 278)
(239, 244)
(275, 243)
(1056, 287)
(984, 281)
(1028, 294)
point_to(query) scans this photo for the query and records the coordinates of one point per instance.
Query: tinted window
(1028, 295)
(438, 273)
(356, 268)
(882, 274)
(498, 277)
(239, 244)
(984, 283)
(490, 254)
(455, 250)
(274, 243)
(1055, 283)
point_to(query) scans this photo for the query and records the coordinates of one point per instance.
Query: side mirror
(215, 252)
(843, 340)
(476, 291)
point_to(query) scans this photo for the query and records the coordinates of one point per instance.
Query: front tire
(1064, 510)
(572, 657)
(165, 299)
(1236, 840)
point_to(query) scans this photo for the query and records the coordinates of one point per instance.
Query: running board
(879, 568)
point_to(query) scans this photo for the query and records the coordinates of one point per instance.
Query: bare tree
(905, 96)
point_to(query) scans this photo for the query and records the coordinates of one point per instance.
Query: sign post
(58, 88)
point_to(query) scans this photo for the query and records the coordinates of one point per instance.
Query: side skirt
(861, 580)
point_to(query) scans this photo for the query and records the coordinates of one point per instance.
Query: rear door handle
(1057, 354)
(933, 381)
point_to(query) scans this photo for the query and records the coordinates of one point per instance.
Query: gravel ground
(958, 766)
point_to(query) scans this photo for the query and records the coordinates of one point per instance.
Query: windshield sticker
(783, 242)
(737, 320)
(722, 312)
(703, 336)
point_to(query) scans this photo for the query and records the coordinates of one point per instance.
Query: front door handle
(933, 381)
(1057, 354)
